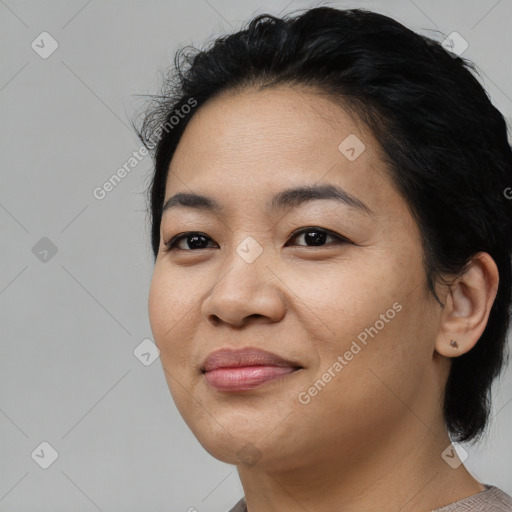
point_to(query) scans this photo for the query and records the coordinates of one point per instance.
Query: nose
(246, 292)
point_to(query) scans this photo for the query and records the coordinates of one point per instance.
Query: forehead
(277, 122)
(257, 142)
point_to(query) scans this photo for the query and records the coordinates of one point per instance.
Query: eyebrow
(289, 198)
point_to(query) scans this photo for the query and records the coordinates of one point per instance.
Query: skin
(372, 438)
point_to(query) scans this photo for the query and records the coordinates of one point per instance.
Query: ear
(467, 306)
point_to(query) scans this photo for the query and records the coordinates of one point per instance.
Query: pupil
(193, 241)
(316, 239)
(313, 237)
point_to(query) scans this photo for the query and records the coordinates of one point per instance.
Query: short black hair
(444, 141)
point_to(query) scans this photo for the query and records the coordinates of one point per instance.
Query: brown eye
(317, 236)
(313, 237)
(194, 240)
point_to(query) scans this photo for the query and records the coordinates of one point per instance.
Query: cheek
(168, 307)
(385, 361)
(160, 306)
(369, 314)
(343, 298)
(168, 319)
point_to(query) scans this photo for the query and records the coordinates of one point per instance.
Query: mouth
(244, 370)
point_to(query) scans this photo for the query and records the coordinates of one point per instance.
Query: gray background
(71, 321)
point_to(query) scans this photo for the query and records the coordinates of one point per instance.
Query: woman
(332, 279)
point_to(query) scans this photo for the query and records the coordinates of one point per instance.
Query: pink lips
(243, 370)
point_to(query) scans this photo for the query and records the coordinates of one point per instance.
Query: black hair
(444, 141)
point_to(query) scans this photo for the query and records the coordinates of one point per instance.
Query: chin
(228, 447)
(272, 457)
(231, 438)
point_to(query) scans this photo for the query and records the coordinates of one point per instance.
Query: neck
(406, 473)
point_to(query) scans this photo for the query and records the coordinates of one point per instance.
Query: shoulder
(239, 507)
(490, 500)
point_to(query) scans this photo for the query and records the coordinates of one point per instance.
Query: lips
(242, 370)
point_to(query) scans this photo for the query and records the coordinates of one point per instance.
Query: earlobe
(468, 304)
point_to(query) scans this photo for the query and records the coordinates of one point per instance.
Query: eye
(196, 240)
(317, 236)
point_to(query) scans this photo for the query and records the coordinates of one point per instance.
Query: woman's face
(354, 315)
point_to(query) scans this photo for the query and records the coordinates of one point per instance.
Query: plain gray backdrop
(75, 270)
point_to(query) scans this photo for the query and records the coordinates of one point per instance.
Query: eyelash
(171, 244)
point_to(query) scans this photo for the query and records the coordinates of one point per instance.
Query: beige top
(490, 500)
